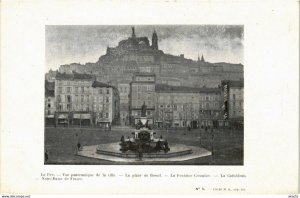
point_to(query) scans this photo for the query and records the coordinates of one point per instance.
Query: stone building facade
(236, 99)
(105, 104)
(49, 102)
(142, 90)
(187, 106)
(124, 91)
(73, 97)
(233, 102)
(80, 101)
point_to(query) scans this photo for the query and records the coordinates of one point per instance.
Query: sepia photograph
(149, 98)
(144, 95)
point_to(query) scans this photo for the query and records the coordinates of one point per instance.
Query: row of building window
(184, 98)
(124, 90)
(142, 88)
(144, 96)
(100, 91)
(234, 96)
(77, 82)
(138, 113)
(100, 108)
(68, 107)
(68, 98)
(240, 105)
(82, 107)
(101, 115)
(180, 116)
(234, 113)
(185, 106)
(79, 89)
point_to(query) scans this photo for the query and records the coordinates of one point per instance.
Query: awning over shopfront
(82, 116)
(176, 121)
(63, 116)
(103, 120)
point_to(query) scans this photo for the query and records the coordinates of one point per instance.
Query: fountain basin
(111, 152)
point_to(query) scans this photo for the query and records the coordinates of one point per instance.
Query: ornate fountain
(144, 140)
(143, 145)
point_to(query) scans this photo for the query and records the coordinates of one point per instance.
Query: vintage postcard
(159, 97)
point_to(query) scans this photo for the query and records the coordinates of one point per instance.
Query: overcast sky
(82, 44)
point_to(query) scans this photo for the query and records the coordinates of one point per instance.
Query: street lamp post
(200, 116)
(212, 148)
(80, 120)
(200, 137)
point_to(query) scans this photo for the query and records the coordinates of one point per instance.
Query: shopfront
(82, 119)
(63, 119)
(49, 120)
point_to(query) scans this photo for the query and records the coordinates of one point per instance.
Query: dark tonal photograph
(144, 95)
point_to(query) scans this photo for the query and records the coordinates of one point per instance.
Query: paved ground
(227, 145)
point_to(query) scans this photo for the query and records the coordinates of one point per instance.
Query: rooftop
(162, 88)
(228, 64)
(49, 89)
(73, 76)
(230, 83)
(101, 84)
(123, 63)
(144, 74)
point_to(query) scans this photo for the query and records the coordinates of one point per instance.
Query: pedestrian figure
(140, 155)
(122, 138)
(206, 129)
(166, 146)
(140, 151)
(78, 146)
(200, 139)
(46, 156)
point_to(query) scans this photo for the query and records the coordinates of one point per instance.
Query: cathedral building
(137, 54)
